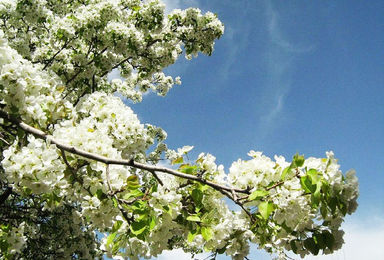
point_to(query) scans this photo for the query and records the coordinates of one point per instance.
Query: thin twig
(108, 180)
(66, 161)
(115, 67)
(5, 141)
(157, 178)
(57, 53)
(282, 182)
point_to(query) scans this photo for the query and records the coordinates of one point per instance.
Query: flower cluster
(82, 43)
(35, 168)
(308, 197)
(62, 119)
(27, 91)
(12, 238)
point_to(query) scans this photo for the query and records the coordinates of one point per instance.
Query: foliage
(76, 162)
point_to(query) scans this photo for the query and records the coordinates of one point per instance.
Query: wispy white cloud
(235, 39)
(280, 56)
(277, 36)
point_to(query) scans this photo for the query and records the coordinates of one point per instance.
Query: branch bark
(151, 168)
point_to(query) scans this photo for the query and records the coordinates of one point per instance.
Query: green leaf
(221, 250)
(191, 235)
(307, 185)
(332, 204)
(343, 208)
(100, 194)
(115, 248)
(323, 210)
(188, 169)
(285, 172)
(110, 238)
(310, 244)
(258, 194)
(313, 175)
(116, 226)
(209, 217)
(320, 240)
(329, 239)
(197, 196)
(133, 182)
(133, 194)
(4, 246)
(207, 233)
(266, 208)
(195, 218)
(152, 223)
(136, 8)
(298, 160)
(203, 187)
(293, 246)
(138, 227)
(140, 207)
(316, 195)
(168, 209)
(178, 160)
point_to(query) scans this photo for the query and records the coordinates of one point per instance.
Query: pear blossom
(81, 176)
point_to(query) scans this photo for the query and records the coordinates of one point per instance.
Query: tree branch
(151, 168)
(48, 62)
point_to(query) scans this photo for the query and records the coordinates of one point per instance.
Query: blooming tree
(79, 172)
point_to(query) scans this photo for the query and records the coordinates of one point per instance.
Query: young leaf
(133, 194)
(194, 218)
(313, 175)
(133, 182)
(316, 195)
(191, 235)
(152, 223)
(285, 172)
(138, 227)
(177, 160)
(258, 194)
(306, 184)
(266, 208)
(168, 209)
(116, 226)
(207, 233)
(298, 160)
(188, 169)
(110, 238)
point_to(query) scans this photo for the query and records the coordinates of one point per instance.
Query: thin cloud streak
(276, 35)
(280, 55)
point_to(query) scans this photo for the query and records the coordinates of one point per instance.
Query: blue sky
(287, 77)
